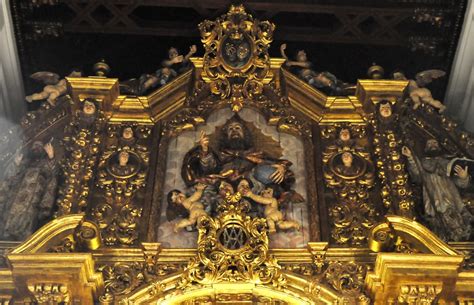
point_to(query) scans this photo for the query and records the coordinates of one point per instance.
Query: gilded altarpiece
(239, 182)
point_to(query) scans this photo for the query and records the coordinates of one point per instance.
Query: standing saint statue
(27, 198)
(443, 206)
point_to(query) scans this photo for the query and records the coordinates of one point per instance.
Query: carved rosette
(120, 279)
(346, 278)
(232, 247)
(236, 61)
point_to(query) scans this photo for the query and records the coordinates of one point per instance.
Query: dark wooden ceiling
(341, 36)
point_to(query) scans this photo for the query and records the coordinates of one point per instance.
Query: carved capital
(465, 301)
(47, 293)
(5, 300)
(418, 294)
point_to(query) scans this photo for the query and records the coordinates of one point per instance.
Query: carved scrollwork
(186, 119)
(308, 269)
(67, 245)
(275, 106)
(384, 238)
(236, 60)
(272, 104)
(122, 172)
(349, 172)
(120, 279)
(347, 278)
(232, 247)
(118, 224)
(87, 236)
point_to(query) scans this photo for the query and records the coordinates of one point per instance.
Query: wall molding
(12, 102)
(460, 95)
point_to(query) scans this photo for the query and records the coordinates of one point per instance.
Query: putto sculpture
(54, 86)
(416, 88)
(191, 204)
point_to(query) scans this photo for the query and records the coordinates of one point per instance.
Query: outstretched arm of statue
(198, 194)
(182, 224)
(260, 199)
(192, 50)
(176, 60)
(301, 64)
(413, 164)
(289, 63)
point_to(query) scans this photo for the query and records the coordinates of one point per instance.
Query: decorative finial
(375, 71)
(101, 68)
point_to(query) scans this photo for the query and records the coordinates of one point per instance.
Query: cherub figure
(128, 137)
(345, 138)
(55, 87)
(272, 214)
(225, 189)
(191, 204)
(416, 88)
(348, 168)
(123, 167)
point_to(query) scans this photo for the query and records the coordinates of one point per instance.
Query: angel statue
(55, 87)
(416, 88)
(324, 81)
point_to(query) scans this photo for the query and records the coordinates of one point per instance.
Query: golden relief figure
(228, 179)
